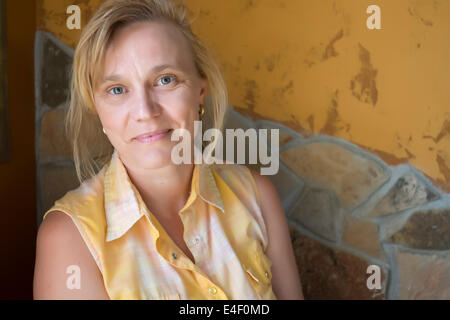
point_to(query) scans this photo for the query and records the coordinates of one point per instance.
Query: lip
(152, 136)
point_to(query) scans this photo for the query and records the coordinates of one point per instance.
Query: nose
(144, 105)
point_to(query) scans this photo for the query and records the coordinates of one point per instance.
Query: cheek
(185, 116)
(180, 107)
(112, 120)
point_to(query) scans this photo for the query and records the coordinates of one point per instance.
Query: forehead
(147, 44)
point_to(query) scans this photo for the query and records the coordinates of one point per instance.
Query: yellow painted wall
(314, 66)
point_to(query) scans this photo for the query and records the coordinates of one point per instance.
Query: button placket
(191, 236)
(258, 268)
(249, 271)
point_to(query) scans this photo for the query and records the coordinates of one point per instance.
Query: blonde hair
(91, 148)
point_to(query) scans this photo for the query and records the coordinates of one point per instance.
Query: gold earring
(104, 131)
(201, 112)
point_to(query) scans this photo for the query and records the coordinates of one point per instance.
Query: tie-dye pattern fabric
(223, 228)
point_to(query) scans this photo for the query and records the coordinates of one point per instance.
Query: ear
(203, 89)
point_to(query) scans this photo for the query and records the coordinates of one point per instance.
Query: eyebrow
(155, 69)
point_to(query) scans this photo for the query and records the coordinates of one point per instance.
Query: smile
(156, 137)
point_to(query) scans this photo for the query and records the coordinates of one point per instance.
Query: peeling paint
(317, 55)
(443, 168)
(363, 85)
(294, 124)
(279, 93)
(445, 131)
(271, 62)
(410, 155)
(310, 120)
(428, 23)
(251, 94)
(385, 156)
(333, 119)
(329, 50)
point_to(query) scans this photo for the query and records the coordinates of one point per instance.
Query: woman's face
(149, 84)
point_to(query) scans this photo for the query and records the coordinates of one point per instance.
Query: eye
(117, 90)
(165, 80)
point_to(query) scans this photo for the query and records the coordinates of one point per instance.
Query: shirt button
(174, 255)
(212, 290)
(266, 274)
(196, 240)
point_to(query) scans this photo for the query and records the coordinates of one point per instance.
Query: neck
(164, 190)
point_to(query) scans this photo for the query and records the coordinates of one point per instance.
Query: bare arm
(59, 245)
(285, 277)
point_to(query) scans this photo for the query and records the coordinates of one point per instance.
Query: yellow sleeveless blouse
(223, 228)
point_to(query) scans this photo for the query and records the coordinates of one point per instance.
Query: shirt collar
(124, 205)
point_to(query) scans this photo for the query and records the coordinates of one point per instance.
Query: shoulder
(238, 178)
(270, 203)
(261, 180)
(249, 179)
(57, 223)
(60, 251)
(58, 231)
(266, 189)
(71, 234)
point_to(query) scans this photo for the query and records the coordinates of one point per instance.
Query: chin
(153, 158)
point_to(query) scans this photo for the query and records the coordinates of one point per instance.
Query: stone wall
(55, 171)
(346, 208)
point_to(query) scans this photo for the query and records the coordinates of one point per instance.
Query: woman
(144, 227)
